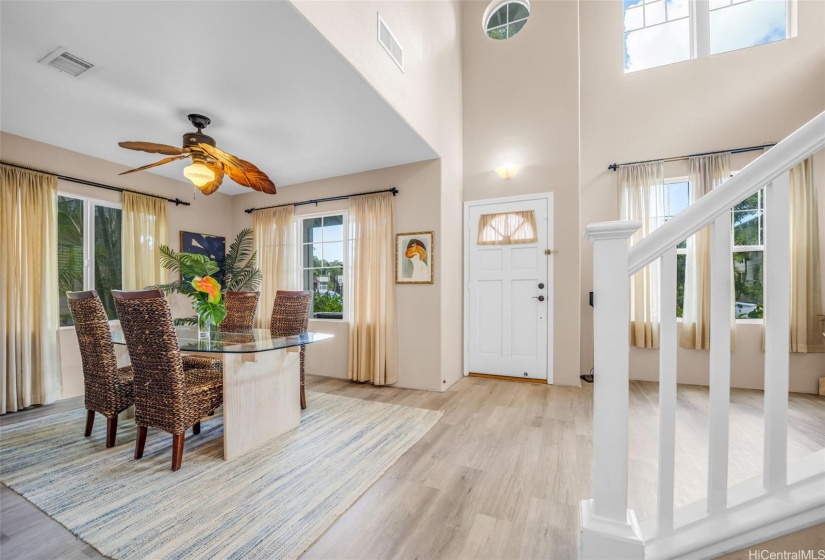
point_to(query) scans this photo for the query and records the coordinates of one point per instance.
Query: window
(659, 32)
(655, 33)
(508, 228)
(739, 24)
(748, 250)
(504, 19)
(88, 250)
(748, 219)
(676, 198)
(323, 261)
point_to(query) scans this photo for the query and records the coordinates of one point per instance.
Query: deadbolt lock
(549, 251)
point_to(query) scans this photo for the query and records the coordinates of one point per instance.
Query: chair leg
(196, 429)
(303, 398)
(177, 450)
(140, 442)
(90, 422)
(111, 431)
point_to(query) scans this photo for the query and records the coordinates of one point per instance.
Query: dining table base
(261, 398)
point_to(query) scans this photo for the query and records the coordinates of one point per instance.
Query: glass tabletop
(256, 340)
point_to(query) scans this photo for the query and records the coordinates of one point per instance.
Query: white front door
(509, 296)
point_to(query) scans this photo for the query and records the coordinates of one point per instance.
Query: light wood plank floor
(500, 476)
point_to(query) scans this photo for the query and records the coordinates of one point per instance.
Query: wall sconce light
(508, 170)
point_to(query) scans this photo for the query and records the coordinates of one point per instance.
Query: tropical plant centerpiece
(208, 304)
(196, 280)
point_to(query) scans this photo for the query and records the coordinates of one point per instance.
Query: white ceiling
(279, 95)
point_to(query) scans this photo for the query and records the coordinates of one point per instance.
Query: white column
(720, 333)
(777, 327)
(608, 528)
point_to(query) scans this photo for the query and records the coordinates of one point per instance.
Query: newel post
(608, 528)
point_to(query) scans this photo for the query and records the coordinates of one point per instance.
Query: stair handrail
(803, 143)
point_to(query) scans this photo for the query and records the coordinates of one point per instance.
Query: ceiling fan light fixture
(199, 174)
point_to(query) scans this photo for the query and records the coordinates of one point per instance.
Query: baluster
(667, 389)
(777, 327)
(720, 332)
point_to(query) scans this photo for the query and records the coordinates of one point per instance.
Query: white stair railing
(789, 497)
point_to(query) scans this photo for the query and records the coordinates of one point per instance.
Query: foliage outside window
(88, 251)
(322, 264)
(505, 19)
(660, 32)
(748, 219)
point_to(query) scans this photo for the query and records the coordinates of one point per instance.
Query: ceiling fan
(208, 162)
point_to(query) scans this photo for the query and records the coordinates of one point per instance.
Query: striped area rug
(271, 503)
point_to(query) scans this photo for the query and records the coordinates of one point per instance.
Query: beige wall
(205, 215)
(735, 99)
(428, 95)
(418, 306)
(521, 105)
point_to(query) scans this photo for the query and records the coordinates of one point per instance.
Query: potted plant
(240, 274)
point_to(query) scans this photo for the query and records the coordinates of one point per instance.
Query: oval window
(505, 18)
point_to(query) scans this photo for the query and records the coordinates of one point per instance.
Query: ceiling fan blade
(241, 171)
(152, 148)
(211, 187)
(251, 176)
(161, 162)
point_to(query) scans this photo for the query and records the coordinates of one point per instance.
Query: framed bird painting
(414, 258)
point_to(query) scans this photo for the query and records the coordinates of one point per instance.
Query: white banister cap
(621, 229)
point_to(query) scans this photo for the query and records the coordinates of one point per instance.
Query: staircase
(788, 497)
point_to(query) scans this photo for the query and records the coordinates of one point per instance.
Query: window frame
(699, 30)
(299, 258)
(734, 248)
(89, 204)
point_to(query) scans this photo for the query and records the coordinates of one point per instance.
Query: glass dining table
(261, 381)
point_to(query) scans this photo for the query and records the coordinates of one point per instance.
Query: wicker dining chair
(240, 311)
(167, 396)
(109, 390)
(290, 316)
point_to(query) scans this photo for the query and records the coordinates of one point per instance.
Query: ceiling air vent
(66, 62)
(390, 43)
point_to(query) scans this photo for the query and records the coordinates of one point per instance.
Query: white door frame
(548, 196)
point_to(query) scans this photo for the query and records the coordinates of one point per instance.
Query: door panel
(491, 315)
(508, 325)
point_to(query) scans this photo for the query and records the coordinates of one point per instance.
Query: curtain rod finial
(613, 166)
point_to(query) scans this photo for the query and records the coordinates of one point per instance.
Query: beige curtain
(806, 296)
(373, 347)
(641, 198)
(706, 174)
(274, 232)
(144, 230)
(29, 312)
(507, 228)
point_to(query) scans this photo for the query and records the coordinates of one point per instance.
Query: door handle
(540, 298)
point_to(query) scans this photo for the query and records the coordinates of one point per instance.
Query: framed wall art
(414, 257)
(213, 246)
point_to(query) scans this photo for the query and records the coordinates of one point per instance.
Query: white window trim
(699, 23)
(734, 248)
(299, 263)
(89, 204)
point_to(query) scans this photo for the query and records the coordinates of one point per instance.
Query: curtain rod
(315, 201)
(615, 166)
(177, 201)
